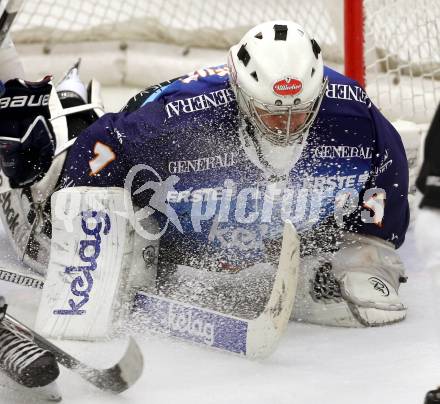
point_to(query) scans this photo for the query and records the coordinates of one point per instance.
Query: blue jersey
(178, 148)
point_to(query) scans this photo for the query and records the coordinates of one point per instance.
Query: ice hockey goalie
(185, 191)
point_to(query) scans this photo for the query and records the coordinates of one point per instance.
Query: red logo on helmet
(287, 86)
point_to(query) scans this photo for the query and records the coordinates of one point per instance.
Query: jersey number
(104, 155)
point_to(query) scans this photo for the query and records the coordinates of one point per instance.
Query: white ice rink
(391, 365)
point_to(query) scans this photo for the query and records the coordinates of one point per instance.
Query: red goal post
(354, 40)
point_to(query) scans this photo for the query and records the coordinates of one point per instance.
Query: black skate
(24, 361)
(433, 397)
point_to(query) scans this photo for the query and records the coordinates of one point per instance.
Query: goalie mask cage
(393, 44)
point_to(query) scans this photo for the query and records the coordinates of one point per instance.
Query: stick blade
(122, 375)
(132, 363)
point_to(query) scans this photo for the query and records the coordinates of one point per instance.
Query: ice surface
(313, 364)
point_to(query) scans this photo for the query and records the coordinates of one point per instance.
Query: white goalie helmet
(277, 75)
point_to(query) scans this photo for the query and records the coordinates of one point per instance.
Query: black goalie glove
(428, 180)
(38, 124)
(27, 143)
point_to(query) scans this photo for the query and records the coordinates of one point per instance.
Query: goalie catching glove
(354, 287)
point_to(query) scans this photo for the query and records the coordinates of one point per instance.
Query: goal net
(138, 43)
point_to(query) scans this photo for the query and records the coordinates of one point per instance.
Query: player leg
(427, 226)
(96, 258)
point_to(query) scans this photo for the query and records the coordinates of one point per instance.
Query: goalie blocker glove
(32, 133)
(21, 359)
(27, 144)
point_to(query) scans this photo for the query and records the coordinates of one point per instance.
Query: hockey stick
(255, 338)
(21, 278)
(115, 379)
(8, 12)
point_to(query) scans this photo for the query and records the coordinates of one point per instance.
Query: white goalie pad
(91, 255)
